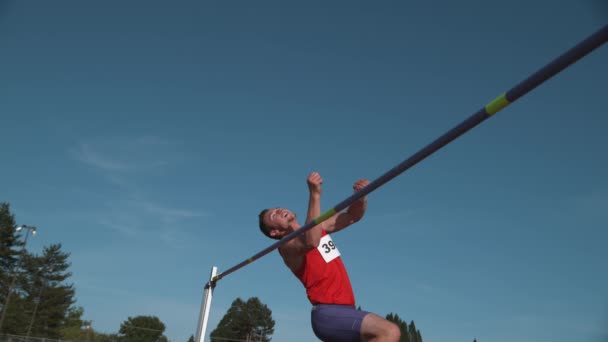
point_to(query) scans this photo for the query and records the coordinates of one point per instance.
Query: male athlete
(314, 258)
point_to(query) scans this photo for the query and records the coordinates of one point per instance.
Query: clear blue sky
(145, 136)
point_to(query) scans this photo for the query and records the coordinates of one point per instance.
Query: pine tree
(414, 333)
(40, 302)
(48, 295)
(250, 321)
(9, 241)
(11, 251)
(418, 336)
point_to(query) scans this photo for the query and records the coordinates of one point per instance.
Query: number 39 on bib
(328, 249)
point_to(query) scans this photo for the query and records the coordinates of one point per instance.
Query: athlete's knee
(393, 333)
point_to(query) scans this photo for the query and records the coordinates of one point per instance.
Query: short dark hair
(264, 228)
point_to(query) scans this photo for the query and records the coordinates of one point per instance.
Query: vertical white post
(203, 317)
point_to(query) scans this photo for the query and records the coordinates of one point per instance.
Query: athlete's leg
(377, 329)
(337, 323)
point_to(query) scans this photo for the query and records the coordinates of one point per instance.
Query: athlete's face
(279, 221)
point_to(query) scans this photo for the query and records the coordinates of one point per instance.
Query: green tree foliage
(45, 288)
(142, 329)
(75, 328)
(17, 316)
(9, 241)
(101, 337)
(191, 338)
(9, 257)
(41, 299)
(74, 318)
(249, 321)
(409, 333)
(414, 333)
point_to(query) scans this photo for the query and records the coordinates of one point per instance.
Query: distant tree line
(37, 299)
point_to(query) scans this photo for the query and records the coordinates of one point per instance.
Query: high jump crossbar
(551, 69)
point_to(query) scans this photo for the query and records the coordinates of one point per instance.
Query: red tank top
(324, 275)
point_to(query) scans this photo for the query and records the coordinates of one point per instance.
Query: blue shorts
(337, 323)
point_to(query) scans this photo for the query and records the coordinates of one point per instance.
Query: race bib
(328, 249)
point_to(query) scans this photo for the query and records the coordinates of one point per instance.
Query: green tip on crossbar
(325, 216)
(497, 104)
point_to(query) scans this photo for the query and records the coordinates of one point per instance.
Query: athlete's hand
(314, 182)
(360, 184)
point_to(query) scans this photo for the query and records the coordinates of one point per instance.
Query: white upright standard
(203, 317)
